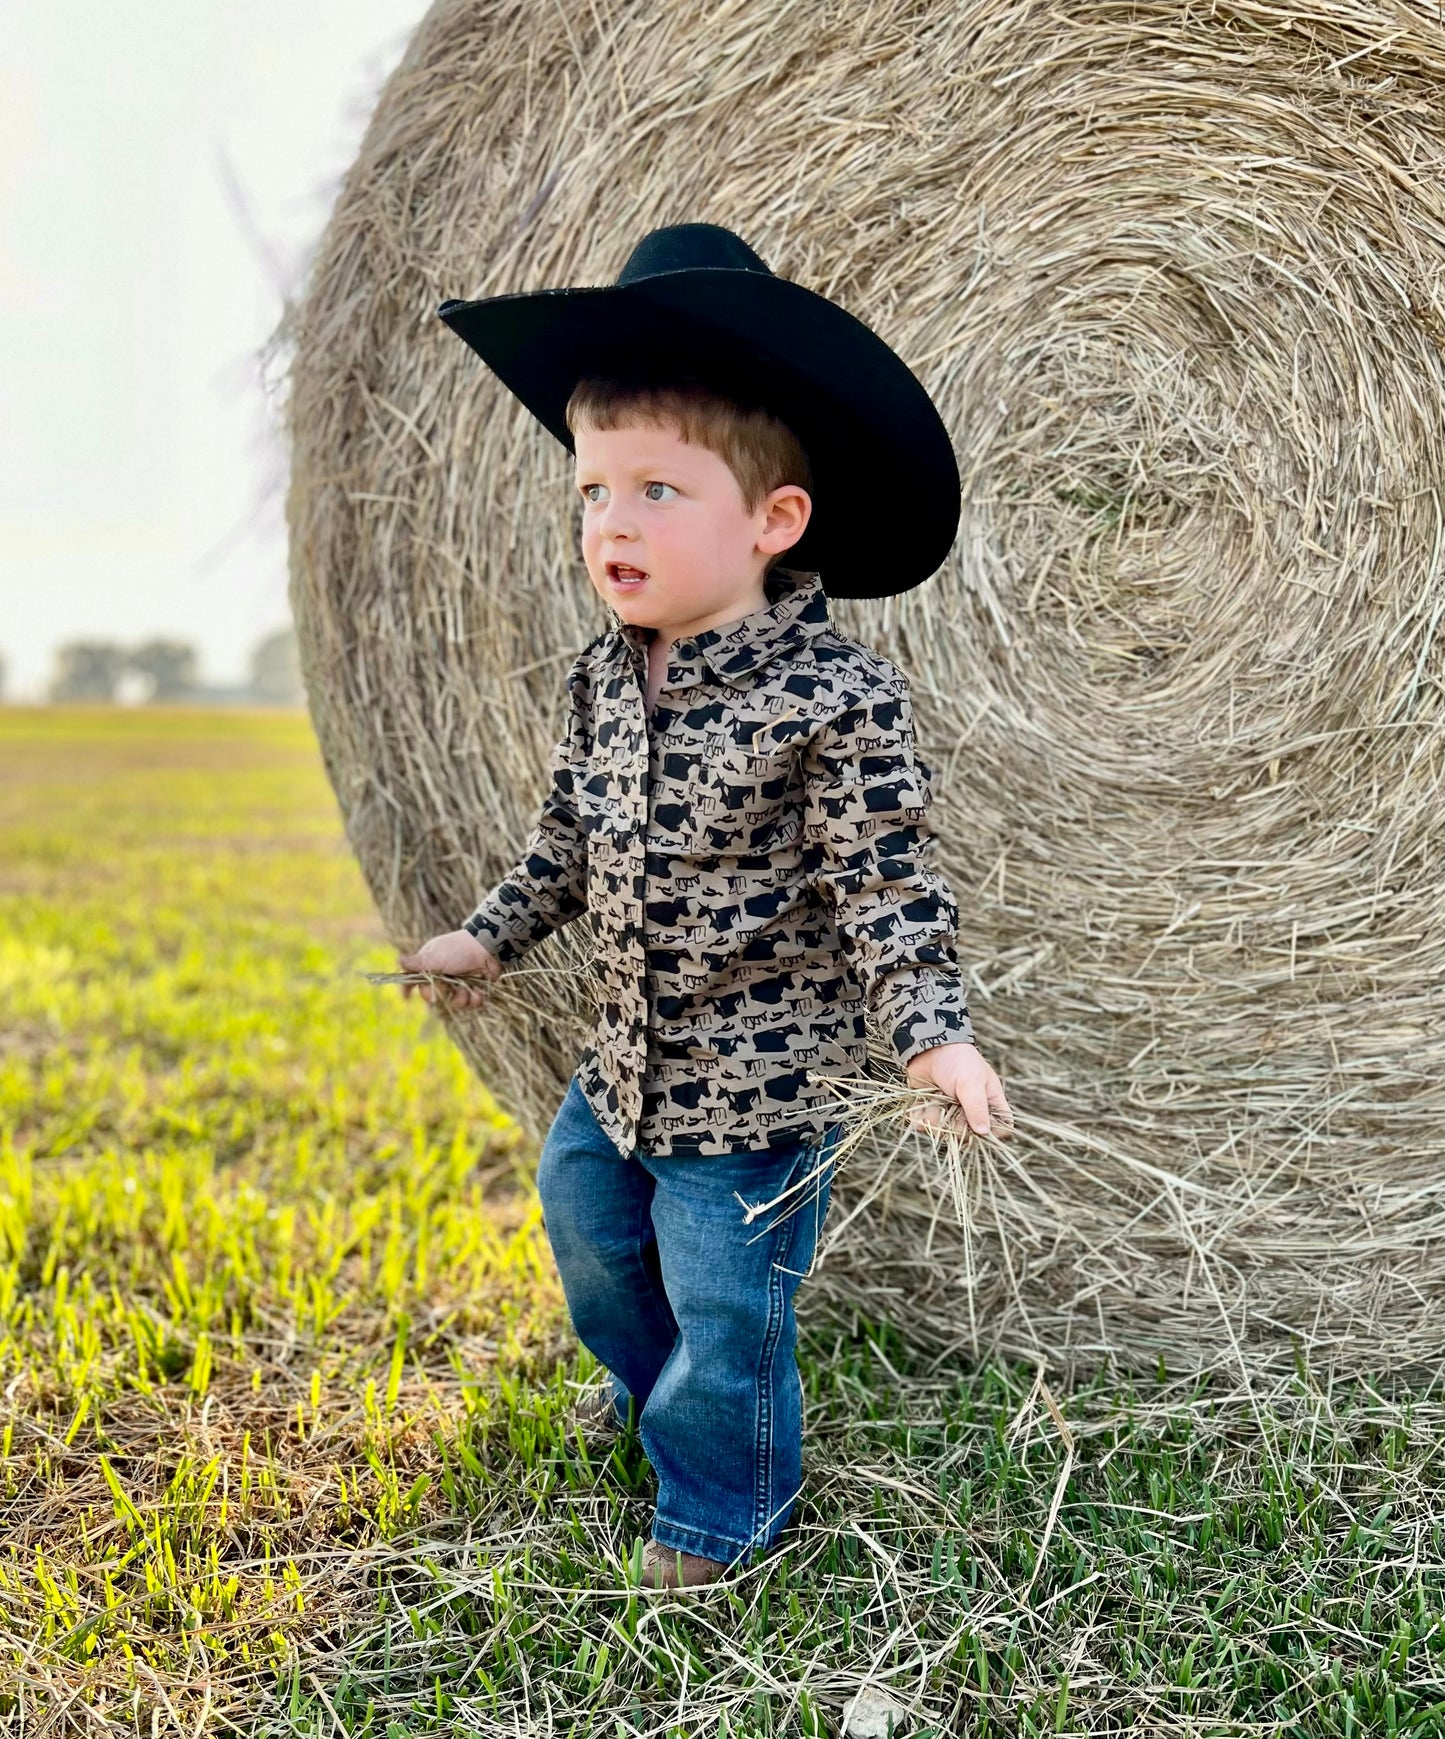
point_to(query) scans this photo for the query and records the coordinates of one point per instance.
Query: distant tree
(170, 665)
(87, 670)
(276, 670)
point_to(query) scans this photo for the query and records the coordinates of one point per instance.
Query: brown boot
(660, 1568)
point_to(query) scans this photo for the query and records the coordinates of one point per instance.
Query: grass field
(287, 1380)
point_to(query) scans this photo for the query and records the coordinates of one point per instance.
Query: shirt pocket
(746, 801)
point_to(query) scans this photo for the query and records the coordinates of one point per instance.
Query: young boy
(738, 803)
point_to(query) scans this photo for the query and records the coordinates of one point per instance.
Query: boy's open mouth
(621, 575)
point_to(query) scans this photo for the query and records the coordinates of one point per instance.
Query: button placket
(632, 1038)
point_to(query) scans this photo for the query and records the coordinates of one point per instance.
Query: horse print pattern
(757, 860)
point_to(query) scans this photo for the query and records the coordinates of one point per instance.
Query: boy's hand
(960, 1071)
(458, 954)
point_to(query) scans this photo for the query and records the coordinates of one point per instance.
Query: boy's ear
(785, 514)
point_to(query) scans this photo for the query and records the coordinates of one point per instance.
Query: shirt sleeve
(867, 797)
(548, 886)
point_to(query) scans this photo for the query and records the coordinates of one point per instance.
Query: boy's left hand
(960, 1071)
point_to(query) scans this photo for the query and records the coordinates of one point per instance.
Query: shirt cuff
(920, 1007)
(507, 934)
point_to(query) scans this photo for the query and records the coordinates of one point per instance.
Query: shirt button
(684, 649)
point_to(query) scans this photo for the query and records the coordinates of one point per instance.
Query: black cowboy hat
(695, 299)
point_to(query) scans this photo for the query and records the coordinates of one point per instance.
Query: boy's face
(666, 536)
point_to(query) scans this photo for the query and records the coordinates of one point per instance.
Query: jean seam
(793, 1228)
(764, 1510)
(825, 1149)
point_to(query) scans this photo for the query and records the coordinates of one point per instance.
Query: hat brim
(886, 493)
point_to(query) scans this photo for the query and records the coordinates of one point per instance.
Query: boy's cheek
(590, 557)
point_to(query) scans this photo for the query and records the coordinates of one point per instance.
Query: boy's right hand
(459, 955)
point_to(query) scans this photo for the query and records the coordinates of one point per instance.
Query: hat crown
(689, 247)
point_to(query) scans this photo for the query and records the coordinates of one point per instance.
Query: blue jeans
(691, 1311)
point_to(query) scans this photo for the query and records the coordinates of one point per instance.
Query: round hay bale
(1174, 277)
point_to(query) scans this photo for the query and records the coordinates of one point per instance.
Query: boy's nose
(617, 520)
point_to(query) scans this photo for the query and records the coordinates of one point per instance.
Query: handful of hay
(1176, 278)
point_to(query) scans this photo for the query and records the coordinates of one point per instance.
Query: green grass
(287, 1435)
(258, 1227)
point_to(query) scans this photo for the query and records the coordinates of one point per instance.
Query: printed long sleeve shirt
(757, 861)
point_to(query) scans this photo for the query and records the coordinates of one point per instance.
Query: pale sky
(165, 169)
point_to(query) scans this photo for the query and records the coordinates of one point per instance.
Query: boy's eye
(594, 492)
(655, 491)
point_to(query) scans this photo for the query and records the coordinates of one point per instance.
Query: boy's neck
(661, 640)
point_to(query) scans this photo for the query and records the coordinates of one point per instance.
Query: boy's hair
(762, 452)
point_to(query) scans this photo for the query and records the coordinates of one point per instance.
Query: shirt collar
(797, 609)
